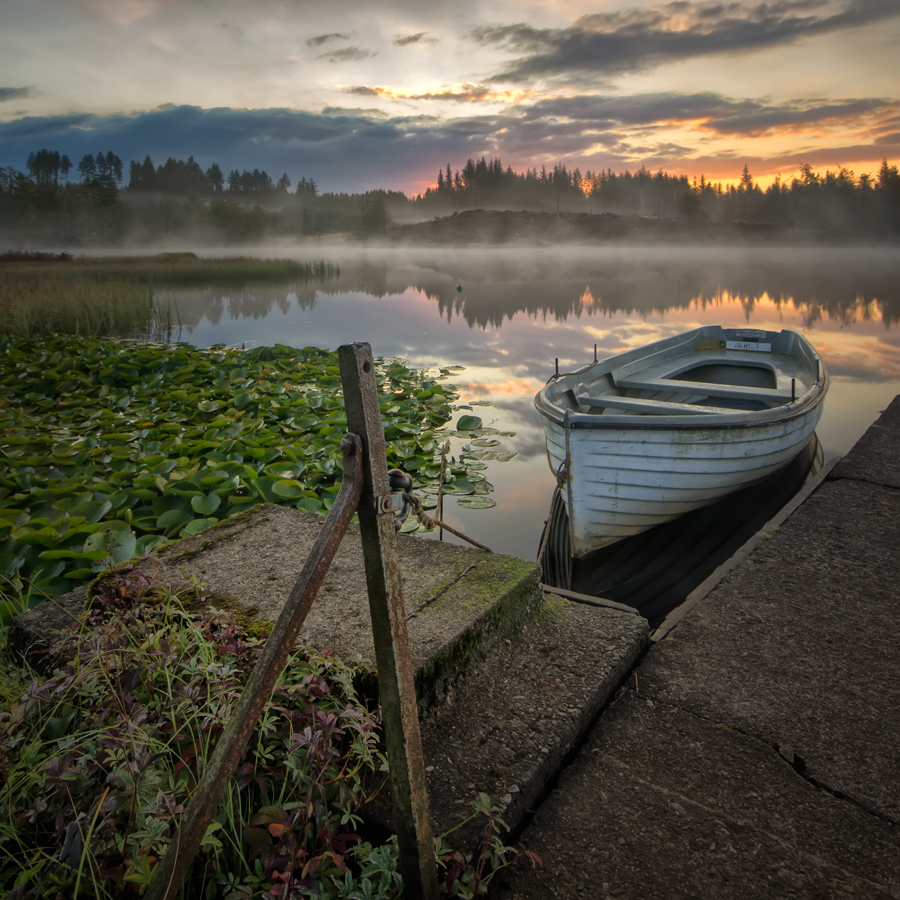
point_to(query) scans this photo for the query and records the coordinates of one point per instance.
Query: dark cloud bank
(354, 150)
(609, 44)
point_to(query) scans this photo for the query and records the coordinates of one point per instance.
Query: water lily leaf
(506, 457)
(468, 423)
(117, 546)
(291, 489)
(148, 542)
(172, 517)
(263, 488)
(43, 537)
(459, 486)
(485, 442)
(205, 504)
(477, 502)
(241, 399)
(195, 526)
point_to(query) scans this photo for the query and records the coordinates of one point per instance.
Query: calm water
(518, 310)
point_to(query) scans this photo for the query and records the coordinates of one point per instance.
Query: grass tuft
(119, 296)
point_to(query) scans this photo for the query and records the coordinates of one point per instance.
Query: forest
(98, 200)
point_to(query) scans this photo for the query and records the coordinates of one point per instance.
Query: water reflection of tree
(216, 305)
(816, 292)
(498, 287)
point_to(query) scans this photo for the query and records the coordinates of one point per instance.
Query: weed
(100, 758)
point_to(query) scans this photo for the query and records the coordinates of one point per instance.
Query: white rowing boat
(643, 437)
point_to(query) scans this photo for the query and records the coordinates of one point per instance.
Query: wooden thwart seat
(775, 396)
(659, 407)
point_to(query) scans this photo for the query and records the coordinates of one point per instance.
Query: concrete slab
(460, 601)
(797, 647)
(512, 723)
(755, 752)
(663, 804)
(874, 457)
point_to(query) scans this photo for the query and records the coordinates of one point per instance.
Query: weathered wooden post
(395, 673)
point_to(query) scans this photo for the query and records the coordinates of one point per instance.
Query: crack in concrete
(441, 592)
(720, 815)
(796, 762)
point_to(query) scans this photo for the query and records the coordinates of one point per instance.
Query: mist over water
(519, 310)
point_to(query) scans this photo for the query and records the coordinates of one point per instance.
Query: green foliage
(101, 757)
(113, 448)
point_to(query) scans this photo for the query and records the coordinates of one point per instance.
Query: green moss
(502, 616)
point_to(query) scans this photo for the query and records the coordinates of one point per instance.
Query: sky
(361, 95)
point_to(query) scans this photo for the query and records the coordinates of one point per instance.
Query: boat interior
(699, 387)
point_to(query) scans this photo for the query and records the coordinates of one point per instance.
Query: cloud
(630, 40)
(347, 54)
(463, 93)
(421, 37)
(712, 112)
(320, 39)
(343, 150)
(365, 91)
(11, 93)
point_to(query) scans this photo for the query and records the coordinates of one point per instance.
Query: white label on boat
(748, 345)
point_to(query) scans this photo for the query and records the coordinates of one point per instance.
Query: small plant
(468, 875)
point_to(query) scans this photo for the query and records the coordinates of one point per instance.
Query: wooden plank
(588, 599)
(636, 404)
(707, 586)
(396, 686)
(726, 392)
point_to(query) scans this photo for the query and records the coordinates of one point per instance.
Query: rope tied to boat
(402, 481)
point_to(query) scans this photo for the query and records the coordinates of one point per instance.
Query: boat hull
(627, 480)
(620, 474)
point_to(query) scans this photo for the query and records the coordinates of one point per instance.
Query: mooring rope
(423, 517)
(402, 481)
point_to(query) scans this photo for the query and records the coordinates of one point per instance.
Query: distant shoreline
(494, 227)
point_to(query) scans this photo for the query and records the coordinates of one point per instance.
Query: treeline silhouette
(835, 198)
(56, 200)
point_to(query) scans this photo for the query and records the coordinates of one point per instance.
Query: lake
(519, 310)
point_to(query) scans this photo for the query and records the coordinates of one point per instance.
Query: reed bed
(119, 296)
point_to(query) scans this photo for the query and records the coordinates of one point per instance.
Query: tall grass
(114, 296)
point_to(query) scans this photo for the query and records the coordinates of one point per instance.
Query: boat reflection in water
(654, 571)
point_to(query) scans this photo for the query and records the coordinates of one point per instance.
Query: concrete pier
(508, 682)
(755, 750)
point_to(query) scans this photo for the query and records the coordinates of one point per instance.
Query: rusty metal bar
(171, 870)
(395, 673)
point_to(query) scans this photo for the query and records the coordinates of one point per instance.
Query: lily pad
(477, 502)
(468, 423)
